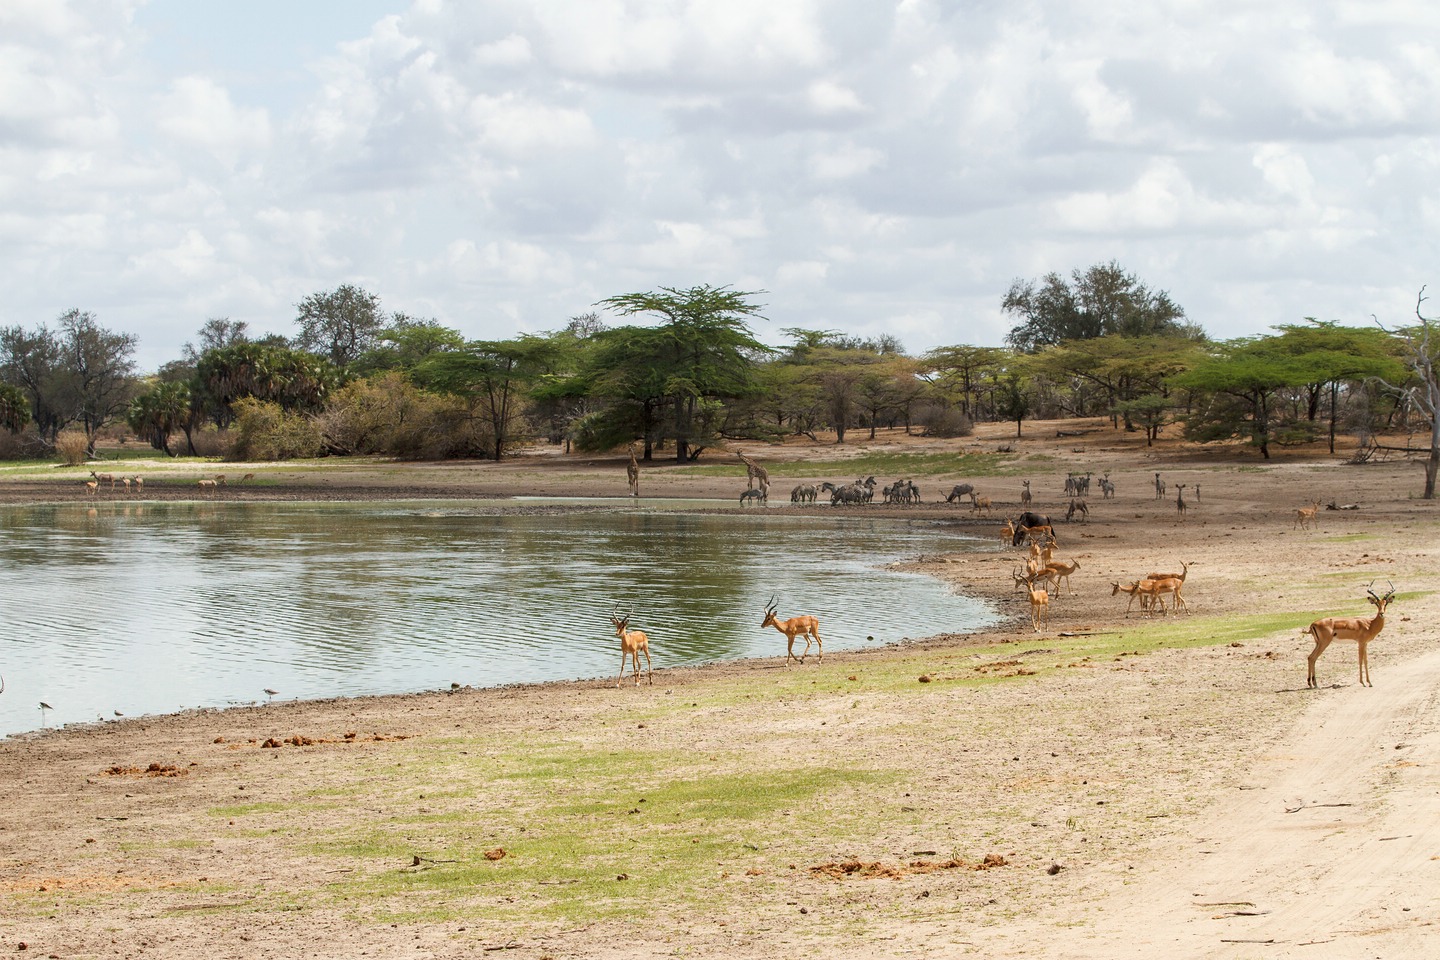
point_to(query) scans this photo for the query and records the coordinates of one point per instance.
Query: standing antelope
(632, 644)
(632, 473)
(1306, 515)
(1180, 507)
(1039, 606)
(1057, 570)
(1360, 629)
(1159, 488)
(805, 626)
(978, 503)
(1025, 493)
(207, 486)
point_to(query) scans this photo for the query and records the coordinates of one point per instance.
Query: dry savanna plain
(1116, 786)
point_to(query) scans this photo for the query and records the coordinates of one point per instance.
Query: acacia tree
(701, 355)
(497, 375)
(1126, 369)
(1241, 377)
(965, 375)
(1336, 355)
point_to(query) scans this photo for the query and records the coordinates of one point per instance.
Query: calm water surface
(152, 608)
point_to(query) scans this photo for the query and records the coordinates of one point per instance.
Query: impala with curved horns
(796, 626)
(632, 644)
(1360, 629)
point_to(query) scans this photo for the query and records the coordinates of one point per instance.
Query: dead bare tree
(1424, 395)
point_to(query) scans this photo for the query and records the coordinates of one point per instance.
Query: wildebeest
(1027, 519)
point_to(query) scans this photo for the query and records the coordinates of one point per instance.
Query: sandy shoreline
(1123, 792)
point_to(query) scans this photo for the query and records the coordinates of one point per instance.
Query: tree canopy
(1103, 300)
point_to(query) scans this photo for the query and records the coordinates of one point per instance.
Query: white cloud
(198, 111)
(866, 163)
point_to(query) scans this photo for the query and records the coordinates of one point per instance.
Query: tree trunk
(1334, 391)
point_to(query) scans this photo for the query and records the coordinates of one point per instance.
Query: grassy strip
(595, 827)
(876, 464)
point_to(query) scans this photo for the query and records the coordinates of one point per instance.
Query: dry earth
(1193, 800)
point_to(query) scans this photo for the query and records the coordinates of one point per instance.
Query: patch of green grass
(1353, 538)
(876, 464)
(592, 835)
(249, 809)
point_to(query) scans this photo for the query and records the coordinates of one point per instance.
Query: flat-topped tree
(701, 355)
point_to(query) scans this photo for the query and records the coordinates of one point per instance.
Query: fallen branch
(1307, 806)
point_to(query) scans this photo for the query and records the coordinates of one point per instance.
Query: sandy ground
(1192, 802)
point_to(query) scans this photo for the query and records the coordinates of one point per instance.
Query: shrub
(389, 415)
(944, 422)
(263, 431)
(72, 448)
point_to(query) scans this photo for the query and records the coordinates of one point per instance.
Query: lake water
(158, 607)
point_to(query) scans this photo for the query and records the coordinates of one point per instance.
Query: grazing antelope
(1360, 629)
(805, 626)
(1151, 593)
(90, 487)
(207, 486)
(632, 644)
(960, 490)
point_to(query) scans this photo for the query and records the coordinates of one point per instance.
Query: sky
(864, 166)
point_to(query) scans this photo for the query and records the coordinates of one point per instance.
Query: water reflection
(152, 608)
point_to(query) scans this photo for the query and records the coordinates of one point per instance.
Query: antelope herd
(206, 486)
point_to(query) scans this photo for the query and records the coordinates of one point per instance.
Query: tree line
(684, 371)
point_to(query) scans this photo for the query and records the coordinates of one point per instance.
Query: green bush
(388, 415)
(263, 431)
